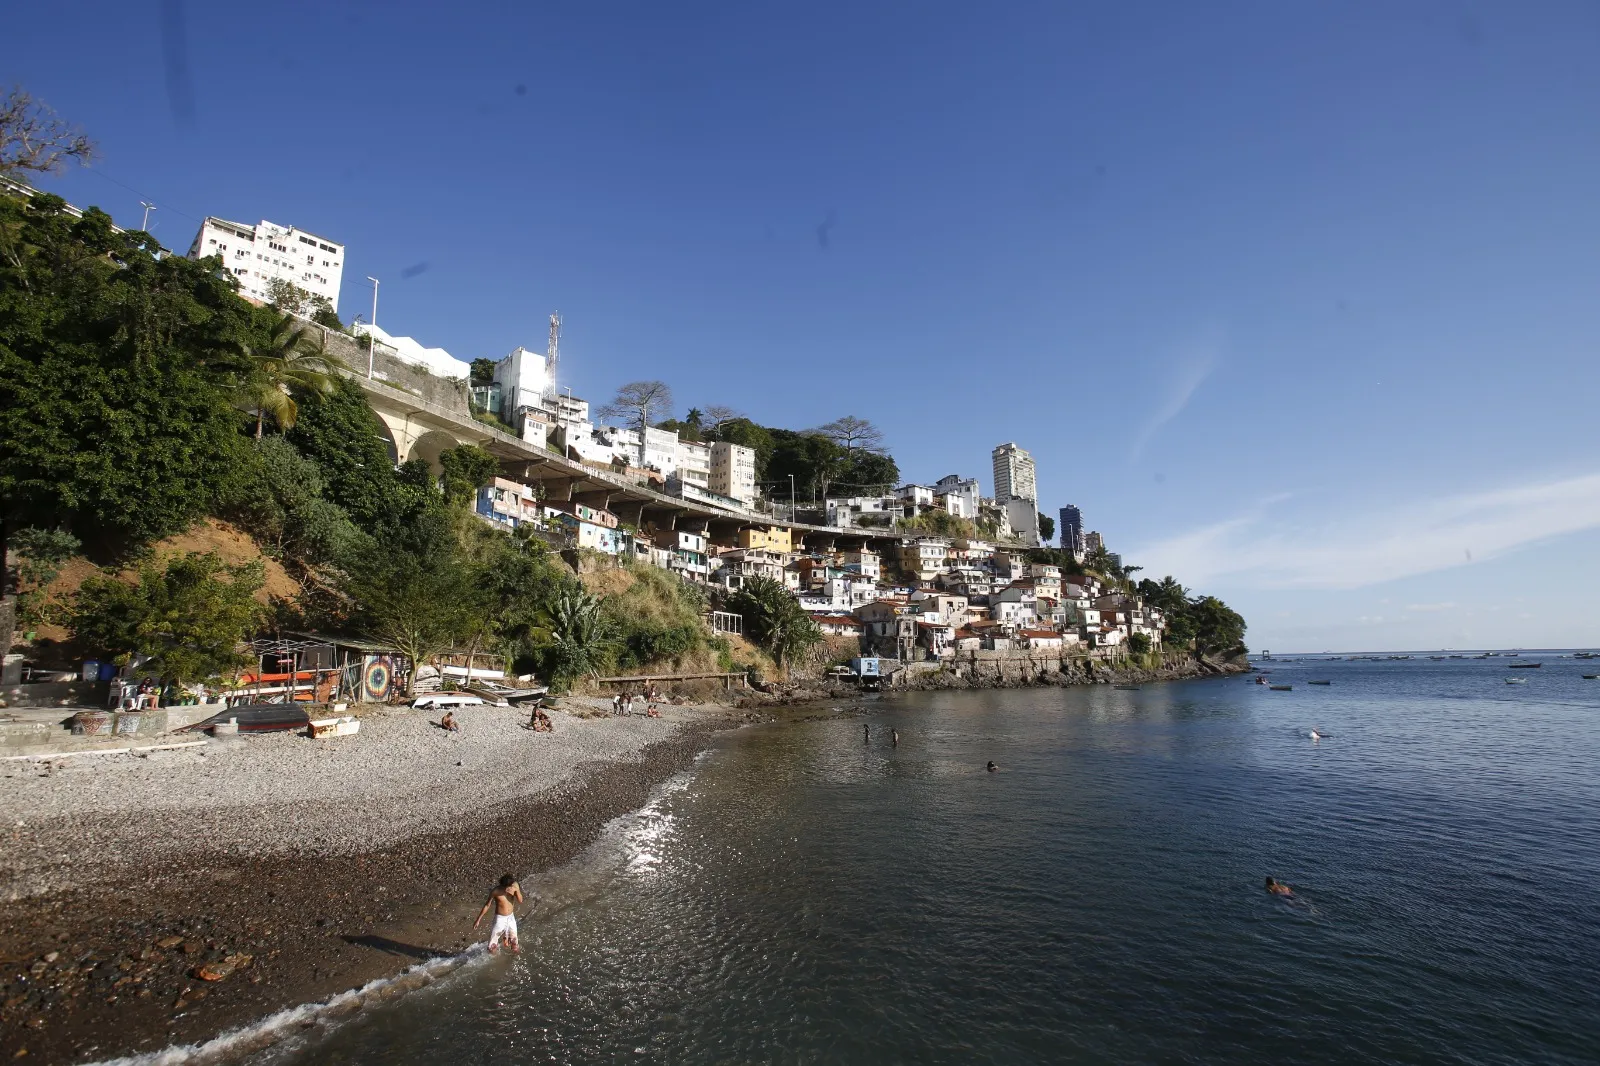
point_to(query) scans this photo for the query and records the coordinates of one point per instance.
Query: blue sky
(1299, 302)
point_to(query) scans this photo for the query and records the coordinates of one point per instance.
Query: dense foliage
(1203, 623)
(775, 621)
(188, 615)
(117, 372)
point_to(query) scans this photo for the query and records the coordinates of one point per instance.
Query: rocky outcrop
(1017, 669)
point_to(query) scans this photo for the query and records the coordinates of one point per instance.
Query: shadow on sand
(395, 947)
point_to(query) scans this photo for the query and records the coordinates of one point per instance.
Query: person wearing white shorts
(504, 900)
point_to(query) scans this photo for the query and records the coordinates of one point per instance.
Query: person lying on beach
(1278, 888)
(504, 900)
(448, 722)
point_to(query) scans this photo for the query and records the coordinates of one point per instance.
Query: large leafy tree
(116, 369)
(339, 432)
(189, 616)
(415, 592)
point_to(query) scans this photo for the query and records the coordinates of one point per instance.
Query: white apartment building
(1013, 474)
(524, 378)
(865, 562)
(694, 464)
(256, 255)
(733, 472)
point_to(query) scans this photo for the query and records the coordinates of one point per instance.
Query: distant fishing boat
(1590, 677)
(1283, 688)
(1516, 681)
(1524, 666)
(1319, 682)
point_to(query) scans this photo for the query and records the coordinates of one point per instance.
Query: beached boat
(447, 699)
(257, 718)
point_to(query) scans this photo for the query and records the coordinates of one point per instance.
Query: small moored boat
(1516, 681)
(1283, 688)
(1319, 682)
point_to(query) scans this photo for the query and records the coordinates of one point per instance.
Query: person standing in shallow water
(504, 900)
(866, 734)
(894, 737)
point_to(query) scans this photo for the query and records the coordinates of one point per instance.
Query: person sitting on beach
(652, 711)
(504, 900)
(541, 722)
(1278, 888)
(448, 722)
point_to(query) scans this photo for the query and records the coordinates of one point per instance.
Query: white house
(863, 562)
(434, 360)
(966, 489)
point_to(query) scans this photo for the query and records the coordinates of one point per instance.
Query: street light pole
(371, 340)
(791, 497)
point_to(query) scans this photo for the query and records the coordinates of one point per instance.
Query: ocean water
(804, 896)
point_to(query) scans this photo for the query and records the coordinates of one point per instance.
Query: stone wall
(449, 393)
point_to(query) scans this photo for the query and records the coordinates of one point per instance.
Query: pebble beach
(300, 867)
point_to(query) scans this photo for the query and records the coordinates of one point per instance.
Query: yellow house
(773, 538)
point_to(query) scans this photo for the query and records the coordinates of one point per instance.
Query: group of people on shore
(623, 703)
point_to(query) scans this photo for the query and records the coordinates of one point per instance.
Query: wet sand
(328, 863)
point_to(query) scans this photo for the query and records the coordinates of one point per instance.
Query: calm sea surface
(803, 896)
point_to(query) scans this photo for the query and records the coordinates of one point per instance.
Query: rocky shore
(161, 900)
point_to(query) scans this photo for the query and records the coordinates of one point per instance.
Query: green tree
(188, 616)
(1139, 643)
(40, 553)
(115, 375)
(1217, 627)
(283, 506)
(290, 359)
(1047, 528)
(416, 594)
(775, 621)
(466, 470)
(339, 432)
(482, 372)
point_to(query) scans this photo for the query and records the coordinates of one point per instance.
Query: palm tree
(293, 357)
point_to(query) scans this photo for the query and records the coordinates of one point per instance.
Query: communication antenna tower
(552, 356)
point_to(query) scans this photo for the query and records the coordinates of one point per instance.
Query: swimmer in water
(1278, 888)
(866, 734)
(992, 766)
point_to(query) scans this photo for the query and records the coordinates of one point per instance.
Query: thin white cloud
(1191, 373)
(1429, 607)
(1347, 549)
